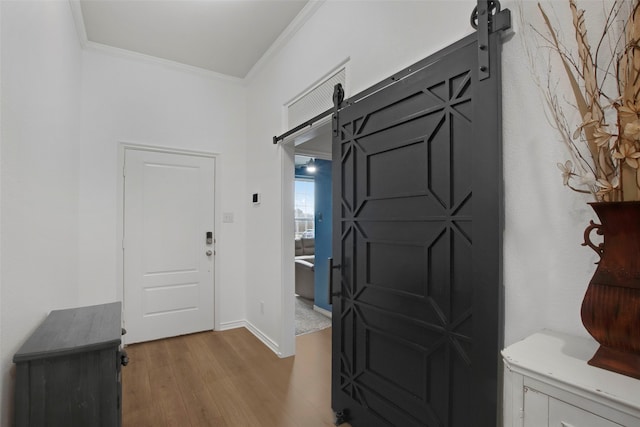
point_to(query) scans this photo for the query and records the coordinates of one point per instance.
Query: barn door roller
(488, 18)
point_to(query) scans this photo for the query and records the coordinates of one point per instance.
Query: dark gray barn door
(417, 222)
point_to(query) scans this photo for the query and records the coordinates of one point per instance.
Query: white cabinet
(543, 410)
(547, 382)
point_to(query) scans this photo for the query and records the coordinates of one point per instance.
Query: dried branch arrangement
(605, 81)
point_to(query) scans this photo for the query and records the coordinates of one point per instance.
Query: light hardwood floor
(227, 379)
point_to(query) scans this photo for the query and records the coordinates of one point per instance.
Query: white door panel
(168, 276)
(171, 204)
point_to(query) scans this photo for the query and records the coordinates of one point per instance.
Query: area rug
(307, 319)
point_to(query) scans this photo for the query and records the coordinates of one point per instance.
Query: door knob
(209, 252)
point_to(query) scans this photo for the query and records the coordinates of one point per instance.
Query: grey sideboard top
(74, 330)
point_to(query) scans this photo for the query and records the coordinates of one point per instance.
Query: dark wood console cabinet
(68, 371)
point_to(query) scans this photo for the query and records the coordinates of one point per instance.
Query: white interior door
(168, 263)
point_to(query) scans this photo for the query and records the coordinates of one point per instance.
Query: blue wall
(301, 172)
(323, 224)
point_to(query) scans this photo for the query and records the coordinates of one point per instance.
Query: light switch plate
(227, 217)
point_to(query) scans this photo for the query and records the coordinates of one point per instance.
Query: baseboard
(262, 337)
(323, 311)
(225, 326)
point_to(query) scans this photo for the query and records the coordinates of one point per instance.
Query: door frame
(287, 345)
(287, 148)
(123, 146)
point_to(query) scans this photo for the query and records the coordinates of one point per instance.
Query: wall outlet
(261, 307)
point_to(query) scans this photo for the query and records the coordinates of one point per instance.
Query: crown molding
(305, 14)
(86, 44)
(141, 57)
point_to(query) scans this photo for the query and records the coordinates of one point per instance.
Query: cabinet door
(536, 408)
(562, 414)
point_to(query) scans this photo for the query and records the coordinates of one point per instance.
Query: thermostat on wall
(255, 198)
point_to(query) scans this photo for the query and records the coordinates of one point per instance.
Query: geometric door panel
(407, 328)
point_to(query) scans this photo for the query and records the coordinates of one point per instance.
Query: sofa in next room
(304, 271)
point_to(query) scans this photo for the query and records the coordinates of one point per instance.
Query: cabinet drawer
(562, 414)
(541, 410)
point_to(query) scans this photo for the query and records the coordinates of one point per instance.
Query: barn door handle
(331, 268)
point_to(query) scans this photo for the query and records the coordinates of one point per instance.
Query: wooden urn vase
(611, 306)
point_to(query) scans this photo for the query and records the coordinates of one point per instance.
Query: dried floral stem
(582, 103)
(610, 126)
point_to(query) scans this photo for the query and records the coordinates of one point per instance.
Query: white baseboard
(323, 311)
(262, 337)
(225, 326)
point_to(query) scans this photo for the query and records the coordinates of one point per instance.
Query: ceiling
(226, 37)
(314, 142)
(223, 36)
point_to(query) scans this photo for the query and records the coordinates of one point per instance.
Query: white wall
(39, 171)
(378, 38)
(546, 271)
(133, 101)
(2, 355)
(64, 113)
(545, 268)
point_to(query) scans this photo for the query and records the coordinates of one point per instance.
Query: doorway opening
(312, 230)
(302, 145)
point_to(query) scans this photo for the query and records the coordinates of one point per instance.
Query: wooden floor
(227, 379)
